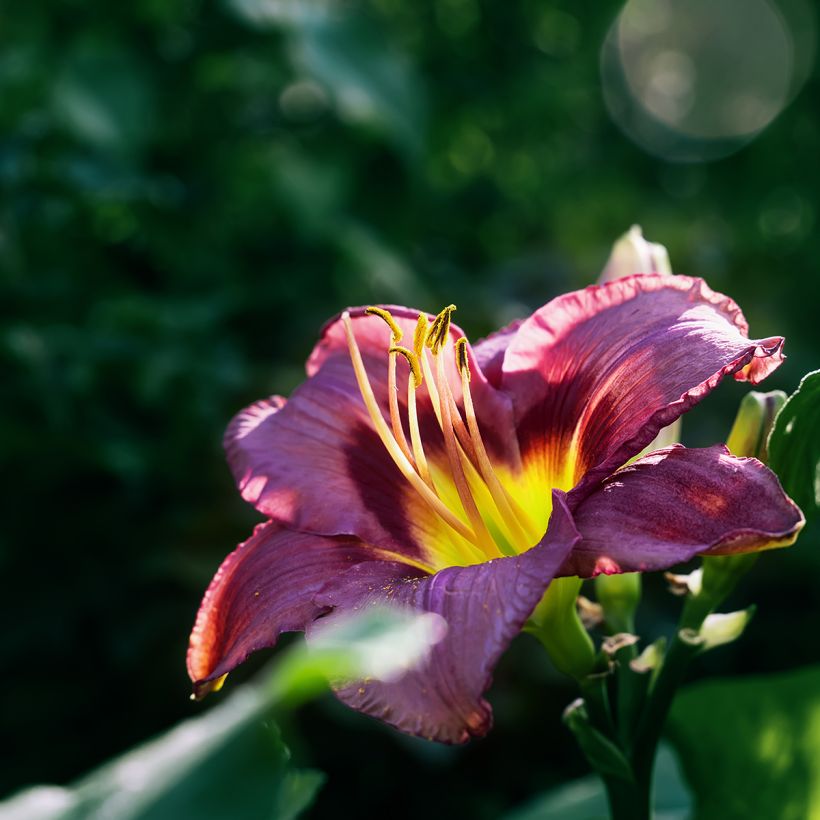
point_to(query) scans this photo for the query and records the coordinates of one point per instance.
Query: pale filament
(393, 399)
(392, 393)
(463, 443)
(461, 431)
(415, 435)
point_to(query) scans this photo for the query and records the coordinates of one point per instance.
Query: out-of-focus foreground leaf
(231, 761)
(226, 763)
(794, 445)
(585, 798)
(751, 748)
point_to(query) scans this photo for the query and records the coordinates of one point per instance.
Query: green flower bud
(619, 595)
(753, 422)
(718, 629)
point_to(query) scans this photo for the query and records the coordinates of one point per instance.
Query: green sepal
(603, 755)
(557, 625)
(619, 595)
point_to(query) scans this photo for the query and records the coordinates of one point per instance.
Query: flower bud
(754, 420)
(633, 254)
(718, 629)
(619, 595)
(650, 659)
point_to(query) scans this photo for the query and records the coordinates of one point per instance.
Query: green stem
(627, 801)
(632, 688)
(651, 725)
(596, 697)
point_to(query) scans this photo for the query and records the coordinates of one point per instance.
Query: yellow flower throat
(481, 517)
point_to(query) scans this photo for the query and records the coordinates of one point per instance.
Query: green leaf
(794, 445)
(751, 747)
(585, 798)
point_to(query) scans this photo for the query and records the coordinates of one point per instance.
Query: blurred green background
(188, 189)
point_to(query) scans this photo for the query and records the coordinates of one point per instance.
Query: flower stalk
(645, 685)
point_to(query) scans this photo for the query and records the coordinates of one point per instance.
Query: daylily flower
(414, 469)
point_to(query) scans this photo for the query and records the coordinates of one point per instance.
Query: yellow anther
(420, 336)
(412, 360)
(440, 331)
(462, 362)
(388, 318)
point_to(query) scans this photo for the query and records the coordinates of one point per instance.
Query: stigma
(465, 492)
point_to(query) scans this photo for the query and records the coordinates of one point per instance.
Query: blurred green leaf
(231, 762)
(103, 97)
(585, 798)
(751, 747)
(226, 763)
(794, 445)
(381, 642)
(370, 81)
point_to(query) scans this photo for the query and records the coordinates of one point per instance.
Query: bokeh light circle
(694, 80)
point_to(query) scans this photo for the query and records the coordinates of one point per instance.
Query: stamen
(420, 335)
(397, 332)
(390, 443)
(456, 421)
(413, 383)
(412, 361)
(392, 391)
(440, 331)
(462, 362)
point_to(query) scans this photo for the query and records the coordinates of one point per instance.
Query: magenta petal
(485, 607)
(489, 352)
(263, 588)
(597, 373)
(676, 503)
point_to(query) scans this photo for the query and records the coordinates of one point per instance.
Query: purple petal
(676, 503)
(489, 352)
(316, 464)
(485, 607)
(263, 588)
(595, 374)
